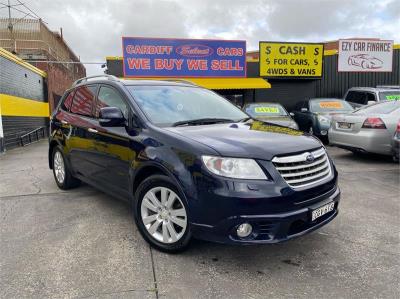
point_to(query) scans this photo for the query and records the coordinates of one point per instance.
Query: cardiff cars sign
(291, 60)
(357, 55)
(161, 57)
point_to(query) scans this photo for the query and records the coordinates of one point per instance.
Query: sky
(93, 28)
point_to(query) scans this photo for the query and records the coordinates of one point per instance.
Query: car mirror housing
(111, 117)
(371, 102)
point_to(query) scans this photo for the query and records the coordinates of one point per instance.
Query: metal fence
(33, 37)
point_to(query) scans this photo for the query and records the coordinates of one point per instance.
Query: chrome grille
(304, 169)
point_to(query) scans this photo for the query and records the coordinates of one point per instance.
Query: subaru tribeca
(190, 163)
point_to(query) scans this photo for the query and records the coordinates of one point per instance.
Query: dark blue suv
(191, 163)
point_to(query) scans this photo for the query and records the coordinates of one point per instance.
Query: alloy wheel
(59, 167)
(163, 215)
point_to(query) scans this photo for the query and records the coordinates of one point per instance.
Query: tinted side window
(370, 97)
(109, 97)
(83, 100)
(66, 104)
(357, 97)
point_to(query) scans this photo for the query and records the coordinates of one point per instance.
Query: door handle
(91, 130)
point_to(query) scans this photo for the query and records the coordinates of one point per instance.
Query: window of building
(83, 100)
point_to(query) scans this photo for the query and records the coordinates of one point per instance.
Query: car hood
(278, 120)
(258, 140)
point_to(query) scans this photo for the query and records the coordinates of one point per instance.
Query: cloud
(93, 29)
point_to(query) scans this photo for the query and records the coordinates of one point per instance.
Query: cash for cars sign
(159, 57)
(291, 59)
(365, 55)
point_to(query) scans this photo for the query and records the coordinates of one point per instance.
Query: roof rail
(389, 86)
(85, 79)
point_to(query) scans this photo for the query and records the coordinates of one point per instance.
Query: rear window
(330, 105)
(389, 96)
(83, 100)
(260, 110)
(380, 108)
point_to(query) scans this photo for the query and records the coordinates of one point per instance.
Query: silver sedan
(368, 129)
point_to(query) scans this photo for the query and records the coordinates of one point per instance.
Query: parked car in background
(190, 163)
(361, 96)
(314, 115)
(396, 144)
(368, 129)
(270, 112)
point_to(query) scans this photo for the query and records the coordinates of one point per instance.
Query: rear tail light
(398, 127)
(374, 123)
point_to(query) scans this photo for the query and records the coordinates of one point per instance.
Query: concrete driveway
(83, 243)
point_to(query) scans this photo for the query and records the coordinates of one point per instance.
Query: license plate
(322, 211)
(344, 125)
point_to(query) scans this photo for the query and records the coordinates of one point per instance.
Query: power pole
(13, 45)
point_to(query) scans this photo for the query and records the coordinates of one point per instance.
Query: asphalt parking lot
(84, 244)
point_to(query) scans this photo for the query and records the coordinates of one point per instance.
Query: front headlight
(324, 120)
(234, 168)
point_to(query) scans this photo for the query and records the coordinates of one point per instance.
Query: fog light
(244, 230)
(324, 132)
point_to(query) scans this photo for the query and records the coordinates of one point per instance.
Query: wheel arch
(152, 168)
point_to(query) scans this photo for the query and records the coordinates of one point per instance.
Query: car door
(112, 144)
(80, 137)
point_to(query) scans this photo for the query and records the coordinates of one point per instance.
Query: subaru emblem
(310, 158)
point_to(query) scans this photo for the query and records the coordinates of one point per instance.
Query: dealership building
(286, 90)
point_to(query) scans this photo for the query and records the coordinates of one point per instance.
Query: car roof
(263, 103)
(326, 99)
(373, 89)
(105, 78)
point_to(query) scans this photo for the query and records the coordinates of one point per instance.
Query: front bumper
(270, 228)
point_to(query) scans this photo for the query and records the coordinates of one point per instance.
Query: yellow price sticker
(334, 105)
(266, 110)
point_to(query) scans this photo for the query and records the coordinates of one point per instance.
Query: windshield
(265, 109)
(330, 105)
(167, 105)
(380, 108)
(389, 95)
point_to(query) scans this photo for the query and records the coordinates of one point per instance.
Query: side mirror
(304, 109)
(111, 117)
(371, 102)
(291, 114)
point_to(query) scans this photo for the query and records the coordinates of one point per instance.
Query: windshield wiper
(202, 121)
(243, 120)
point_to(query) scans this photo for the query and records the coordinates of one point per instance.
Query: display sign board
(281, 59)
(159, 57)
(365, 55)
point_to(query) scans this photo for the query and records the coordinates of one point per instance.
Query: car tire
(62, 173)
(164, 224)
